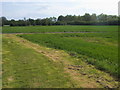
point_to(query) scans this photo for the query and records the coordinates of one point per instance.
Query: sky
(18, 9)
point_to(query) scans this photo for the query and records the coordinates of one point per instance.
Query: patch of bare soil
(10, 79)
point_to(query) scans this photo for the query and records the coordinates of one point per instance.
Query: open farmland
(100, 51)
(79, 60)
(24, 67)
(43, 29)
(60, 44)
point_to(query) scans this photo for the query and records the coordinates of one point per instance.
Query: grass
(35, 29)
(102, 55)
(0, 61)
(25, 68)
(86, 77)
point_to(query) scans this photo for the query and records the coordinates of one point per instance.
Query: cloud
(39, 0)
(48, 8)
(0, 9)
(119, 8)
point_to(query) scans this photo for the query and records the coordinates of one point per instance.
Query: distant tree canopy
(86, 19)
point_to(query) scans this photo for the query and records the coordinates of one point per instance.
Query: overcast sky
(18, 9)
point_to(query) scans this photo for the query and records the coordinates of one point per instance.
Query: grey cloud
(43, 7)
(119, 8)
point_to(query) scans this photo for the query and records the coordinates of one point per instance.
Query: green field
(101, 49)
(49, 60)
(35, 29)
(25, 68)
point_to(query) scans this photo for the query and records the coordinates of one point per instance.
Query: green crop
(36, 29)
(103, 55)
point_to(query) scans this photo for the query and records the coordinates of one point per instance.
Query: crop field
(46, 60)
(100, 47)
(43, 29)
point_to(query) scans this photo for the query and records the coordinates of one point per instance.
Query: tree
(102, 17)
(31, 21)
(4, 21)
(12, 22)
(61, 18)
(93, 17)
(86, 17)
(38, 21)
(0, 21)
(78, 18)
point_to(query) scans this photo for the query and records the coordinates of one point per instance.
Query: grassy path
(25, 68)
(26, 64)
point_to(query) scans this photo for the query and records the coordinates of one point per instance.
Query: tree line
(86, 19)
